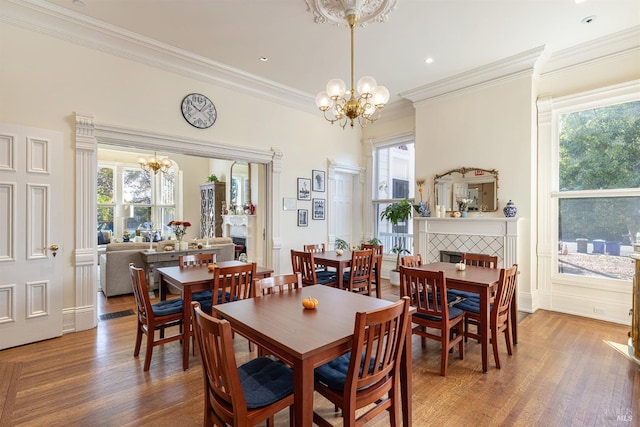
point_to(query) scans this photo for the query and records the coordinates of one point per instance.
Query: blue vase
(510, 210)
(463, 214)
(423, 209)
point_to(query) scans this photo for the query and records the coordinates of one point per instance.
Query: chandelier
(155, 164)
(365, 106)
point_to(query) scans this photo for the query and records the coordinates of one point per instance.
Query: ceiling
(459, 35)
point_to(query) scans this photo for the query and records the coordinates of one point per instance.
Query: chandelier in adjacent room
(363, 103)
(155, 164)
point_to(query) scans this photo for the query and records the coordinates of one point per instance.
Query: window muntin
(598, 198)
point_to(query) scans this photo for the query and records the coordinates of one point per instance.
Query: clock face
(198, 110)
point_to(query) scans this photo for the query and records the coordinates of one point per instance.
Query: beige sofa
(114, 262)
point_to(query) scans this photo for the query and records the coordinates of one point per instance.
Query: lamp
(155, 164)
(366, 107)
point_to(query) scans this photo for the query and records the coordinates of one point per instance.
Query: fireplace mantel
(488, 235)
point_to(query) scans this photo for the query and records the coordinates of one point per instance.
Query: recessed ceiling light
(589, 19)
(264, 59)
(428, 60)
(78, 2)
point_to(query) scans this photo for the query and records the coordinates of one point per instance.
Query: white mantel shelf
(477, 234)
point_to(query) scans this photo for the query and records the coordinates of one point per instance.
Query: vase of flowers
(179, 229)
(463, 206)
(422, 207)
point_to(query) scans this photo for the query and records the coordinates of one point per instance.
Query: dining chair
(303, 263)
(322, 271)
(358, 279)
(275, 284)
(411, 260)
(233, 283)
(244, 395)
(368, 376)
(479, 260)
(196, 260)
(378, 252)
(153, 317)
(500, 316)
(426, 290)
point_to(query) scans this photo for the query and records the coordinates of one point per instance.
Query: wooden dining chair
(358, 279)
(369, 374)
(322, 271)
(411, 260)
(153, 317)
(244, 395)
(378, 252)
(275, 284)
(479, 260)
(500, 316)
(303, 263)
(427, 290)
(233, 283)
(196, 260)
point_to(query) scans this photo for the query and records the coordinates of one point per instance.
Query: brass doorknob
(54, 249)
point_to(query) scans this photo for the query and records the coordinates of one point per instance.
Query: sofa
(114, 262)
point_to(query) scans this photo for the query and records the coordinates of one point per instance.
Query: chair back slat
(361, 274)
(215, 341)
(233, 283)
(315, 248)
(377, 249)
(480, 260)
(196, 260)
(141, 293)
(427, 291)
(275, 284)
(411, 260)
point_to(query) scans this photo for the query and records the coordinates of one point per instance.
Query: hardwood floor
(562, 373)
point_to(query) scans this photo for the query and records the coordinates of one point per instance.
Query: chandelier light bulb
(323, 101)
(366, 86)
(380, 96)
(336, 88)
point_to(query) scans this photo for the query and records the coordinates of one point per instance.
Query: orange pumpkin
(211, 267)
(310, 303)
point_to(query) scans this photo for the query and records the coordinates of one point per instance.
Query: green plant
(341, 244)
(212, 178)
(396, 213)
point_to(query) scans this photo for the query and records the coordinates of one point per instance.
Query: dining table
(341, 262)
(192, 279)
(482, 281)
(306, 339)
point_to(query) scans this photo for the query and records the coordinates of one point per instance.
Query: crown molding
(604, 49)
(514, 67)
(67, 25)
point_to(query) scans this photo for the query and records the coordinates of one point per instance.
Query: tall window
(134, 200)
(394, 180)
(598, 189)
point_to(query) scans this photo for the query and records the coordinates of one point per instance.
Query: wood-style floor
(563, 373)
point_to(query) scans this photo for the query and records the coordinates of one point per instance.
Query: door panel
(31, 217)
(343, 202)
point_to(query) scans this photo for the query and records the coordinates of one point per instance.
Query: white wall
(44, 80)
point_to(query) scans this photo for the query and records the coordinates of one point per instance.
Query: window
(134, 200)
(598, 197)
(393, 176)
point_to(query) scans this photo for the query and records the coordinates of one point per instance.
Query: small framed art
(303, 217)
(318, 208)
(304, 189)
(318, 178)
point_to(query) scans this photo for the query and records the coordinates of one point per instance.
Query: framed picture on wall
(304, 189)
(318, 178)
(303, 217)
(318, 208)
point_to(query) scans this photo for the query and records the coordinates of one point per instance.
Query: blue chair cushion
(334, 374)
(470, 305)
(264, 382)
(322, 275)
(201, 296)
(462, 294)
(165, 308)
(453, 313)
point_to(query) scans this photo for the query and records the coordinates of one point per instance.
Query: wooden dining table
(189, 280)
(343, 261)
(306, 339)
(482, 281)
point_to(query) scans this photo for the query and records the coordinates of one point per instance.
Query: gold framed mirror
(479, 185)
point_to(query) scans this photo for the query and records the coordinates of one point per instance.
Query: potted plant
(340, 245)
(397, 213)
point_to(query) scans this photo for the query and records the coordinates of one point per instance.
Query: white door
(343, 203)
(32, 222)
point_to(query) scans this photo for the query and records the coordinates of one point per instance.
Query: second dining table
(343, 261)
(482, 281)
(306, 339)
(189, 280)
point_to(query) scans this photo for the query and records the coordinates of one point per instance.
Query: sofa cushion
(101, 239)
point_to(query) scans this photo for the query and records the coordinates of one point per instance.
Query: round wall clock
(199, 111)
